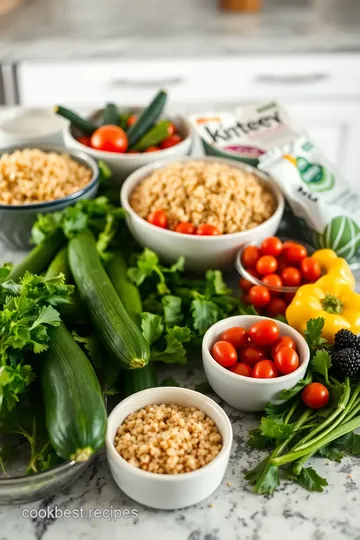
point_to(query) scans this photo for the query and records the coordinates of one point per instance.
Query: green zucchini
(37, 260)
(154, 136)
(60, 265)
(119, 333)
(122, 120)
(127, 291)
(138, 379)
(111, 115)
(147, 118)
(74, 407)
(86, 126)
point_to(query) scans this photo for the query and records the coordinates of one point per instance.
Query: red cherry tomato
(286, 360)
(295, 253)
(315, 395)
(152, 149)
(265, 369)
(267, 264)
(252, 355)
(245, 285)
(170, 141)
(288, 297)
(264, 332)
(109, 139)
(284, 341)
(84, 140)
(171, 129)
(281, 264)
(242, 369)
(291, 277)
(271, 246)
(249, 256)
(259, 296)
(277, 306)
(310, 269)
(185, 227)
(131, 120)
(224, 353)
(237, 336)
(207, 230)
(132, 151)
(158, 218)
(272, 280)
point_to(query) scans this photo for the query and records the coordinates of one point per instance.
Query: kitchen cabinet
(321, 91)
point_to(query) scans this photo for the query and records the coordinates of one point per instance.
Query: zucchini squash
(74, 407)
(59, 265)
(154, 136)
(111, 115)
(147, 118)
(138, 379)
(127, 291)
(86, 126)
(119, 333)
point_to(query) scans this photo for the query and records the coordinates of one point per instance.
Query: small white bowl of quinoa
(37, 180)
(168, 448)
(234, 201)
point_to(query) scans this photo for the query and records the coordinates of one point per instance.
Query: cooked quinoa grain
(30, 176)
(168, 439)
(203, 192)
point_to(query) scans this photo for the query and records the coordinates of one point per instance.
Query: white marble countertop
(168, 28)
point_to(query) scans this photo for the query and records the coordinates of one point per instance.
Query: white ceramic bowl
(31, 127)
(124, 164)
(200, 252)
(167, 491)
(246, 393)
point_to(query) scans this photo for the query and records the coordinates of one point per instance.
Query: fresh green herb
(152, 327)
(169, 381)
(258, 441)
(273, 428)
(313, 331)
(321, 363)
(290, 393)
(349, 443)
(174, 352)
(173, 314)
(205, 313)
(310, 480)
(331, 452)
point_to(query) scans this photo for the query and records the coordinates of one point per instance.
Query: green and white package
(325, 205)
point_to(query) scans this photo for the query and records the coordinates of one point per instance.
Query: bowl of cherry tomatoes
(271, 272)
(249, 359)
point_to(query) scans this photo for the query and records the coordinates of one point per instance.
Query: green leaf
(205, 313)
(289, 393)
(169, 381)
(331, 452)
(47, 315)
(258, 441)
(274, 428)
(281, 318)
(147, 264)
(204, 388)
(321, 363)
(105, 171)
(247, 310)
(178, 266)
(173, 314)
(268, 480)
(215, 284)
(314, 327)
(13, 381)
(253, 475)
(310, 480)
(152, 327)
(349, 443)
(174, 352)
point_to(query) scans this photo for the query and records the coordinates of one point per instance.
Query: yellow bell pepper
(334, 265)
(331, 298)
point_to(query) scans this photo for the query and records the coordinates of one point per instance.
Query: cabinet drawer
(91, 82)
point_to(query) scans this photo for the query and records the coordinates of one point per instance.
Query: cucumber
(111, 115)
(127, 291)
(119, 333)
(138, 379)
(60, 265)
(39, 257)
(122, 120)
(74, 408)
(86, 126)
(147, 118)
(154, 136)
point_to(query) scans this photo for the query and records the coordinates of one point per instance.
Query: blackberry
(347, 361)
(344, 339)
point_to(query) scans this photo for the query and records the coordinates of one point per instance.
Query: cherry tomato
(224, 353)
(207, 230)
(245, 285)
(271, 246)
(310, 269)
(242, 369)
(295, 253)
(284, 341)
(84, 140)
(272, 280)
(133, 151)
(251, 355)
(249, 256)
(315, 395)
(246, 300)
(170, 141)
(236, 335)
(264, 332)
(288, 297)
(158, 218)
(281, 264)
(259, 296)
(152, 149)
(265, 369)
(185, 227)
(131, 120)
(277, 306)
(291, 276)
(267, 264)
(171, 129)
(286, 360)
(109, 139)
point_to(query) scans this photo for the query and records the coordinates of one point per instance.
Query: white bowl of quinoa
(169, 447)
(41, 179)
(240, 203)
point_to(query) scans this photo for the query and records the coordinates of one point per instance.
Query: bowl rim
(140, 174)
(101, 154)
(77, 155)
(226, 433)
(250, 380)
(62, 467)
(255, 281)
